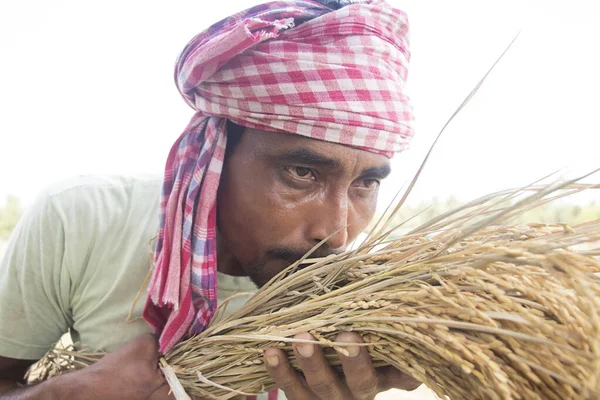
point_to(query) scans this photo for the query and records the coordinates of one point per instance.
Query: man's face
(280, 194)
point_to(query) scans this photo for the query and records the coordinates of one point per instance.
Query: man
(299, 106)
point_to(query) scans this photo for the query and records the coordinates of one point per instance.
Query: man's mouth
(292, 255)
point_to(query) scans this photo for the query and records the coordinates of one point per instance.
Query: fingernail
(306, 350)
(352, 351)
(273, 361)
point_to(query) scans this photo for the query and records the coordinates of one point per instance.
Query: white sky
(87, 87)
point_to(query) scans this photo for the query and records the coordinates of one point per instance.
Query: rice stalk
(470, 305)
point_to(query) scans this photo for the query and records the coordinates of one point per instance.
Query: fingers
(391, 377)
(286, 378)
(320, 377)
(320, 381)
(361, 377)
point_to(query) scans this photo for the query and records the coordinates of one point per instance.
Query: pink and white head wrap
(335, 73)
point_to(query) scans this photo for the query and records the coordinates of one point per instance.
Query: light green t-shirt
(77, 260)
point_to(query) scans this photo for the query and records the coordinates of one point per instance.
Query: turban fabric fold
(334, 73)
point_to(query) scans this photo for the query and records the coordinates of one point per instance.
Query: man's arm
(130, 373)
(12, 372)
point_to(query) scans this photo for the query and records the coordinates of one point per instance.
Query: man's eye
(300, 172)
(370, 183)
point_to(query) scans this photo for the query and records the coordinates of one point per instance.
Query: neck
(226, 262)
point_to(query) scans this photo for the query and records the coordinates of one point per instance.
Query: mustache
(292, 255)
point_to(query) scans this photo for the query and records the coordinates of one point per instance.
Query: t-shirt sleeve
(34, 286)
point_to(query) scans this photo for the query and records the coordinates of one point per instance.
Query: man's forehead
(278, 143)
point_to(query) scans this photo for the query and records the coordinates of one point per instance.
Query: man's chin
(261, 273)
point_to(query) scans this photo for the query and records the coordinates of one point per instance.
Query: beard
(277, 259)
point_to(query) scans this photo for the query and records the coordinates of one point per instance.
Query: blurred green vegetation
(554, 212)
(10, 213)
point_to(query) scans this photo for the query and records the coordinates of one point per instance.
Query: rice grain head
(470, 305)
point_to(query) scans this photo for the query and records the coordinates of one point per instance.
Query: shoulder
(86, 207)
(98, 185)
(102, 194)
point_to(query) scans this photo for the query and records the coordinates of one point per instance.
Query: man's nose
(331, 219)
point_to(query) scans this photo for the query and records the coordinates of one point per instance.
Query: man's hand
(320, 381)
(130, 373)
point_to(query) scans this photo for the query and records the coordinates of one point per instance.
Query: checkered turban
(332, 70)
